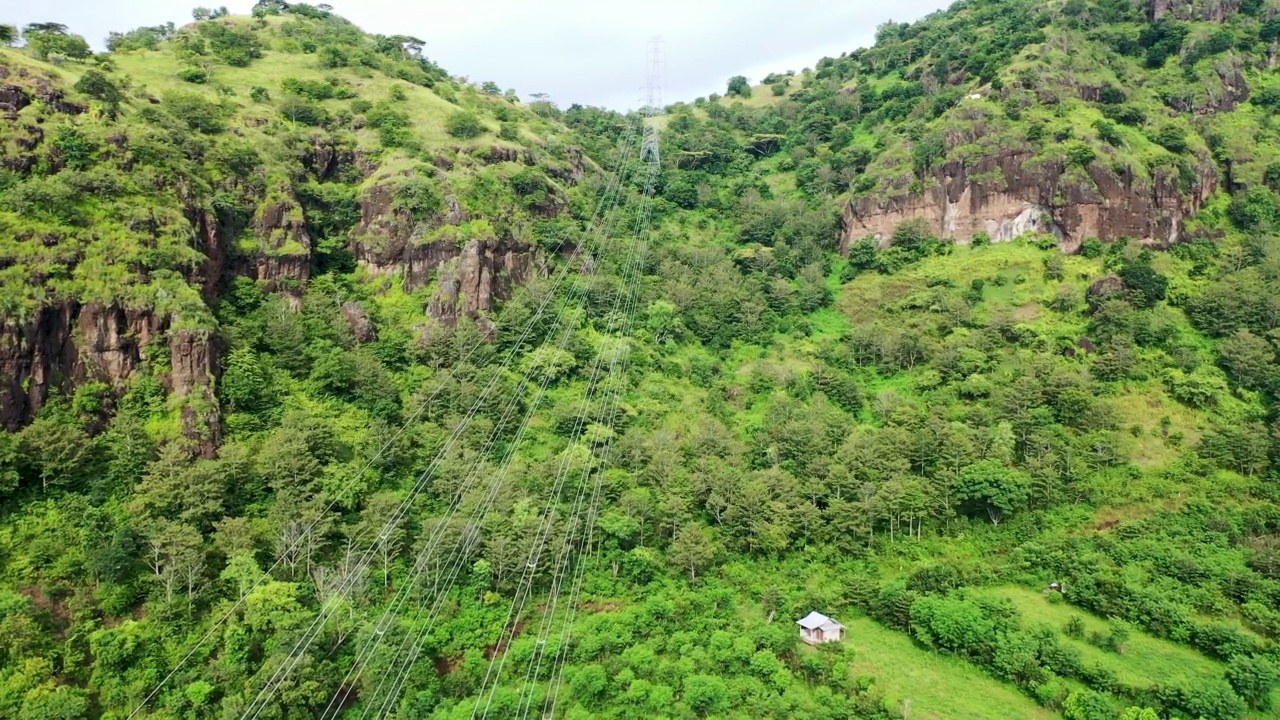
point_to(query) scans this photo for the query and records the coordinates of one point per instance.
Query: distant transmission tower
(655, 64)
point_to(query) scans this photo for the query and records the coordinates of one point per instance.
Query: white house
(817, 628)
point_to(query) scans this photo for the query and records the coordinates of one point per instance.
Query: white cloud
(585, 51)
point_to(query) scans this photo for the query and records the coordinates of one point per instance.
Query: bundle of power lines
(441, 558)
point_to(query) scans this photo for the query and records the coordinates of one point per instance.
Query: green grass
(939, 686)
(1146, 659)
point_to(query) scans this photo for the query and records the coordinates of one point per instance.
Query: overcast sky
(584, 51)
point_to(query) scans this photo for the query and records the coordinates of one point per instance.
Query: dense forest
(335, 385)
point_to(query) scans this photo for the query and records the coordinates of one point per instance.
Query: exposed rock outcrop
(191, 380)
(1004, 196)
(13, 99)
(472, 274)
(64, 345)
(283, 258)
(361, 326)
(1207, 10)
(482, 272)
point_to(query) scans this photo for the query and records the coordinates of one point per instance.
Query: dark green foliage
(75, 149)
(194, 75)
(142, 38)
(52, 39)
(1125, 114)
(300, 110)
(464, 125)
(1162, 39)
(231, 44)
(1172, 138)
(98, 86)
(318, 90)
(1148, 286)
(1253, 678)
(1080, 154)
(739, 87)
(418, 196)
(197, 113)
(1255, 209)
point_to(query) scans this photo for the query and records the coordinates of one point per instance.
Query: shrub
(259, 94)
(1080, 155)
(303, 111)
(464, 125)
(199, 114)
(198, 76)
(1253, 677)
(97, 85)
(1172, 138)
(1092, 248)
(738, 86)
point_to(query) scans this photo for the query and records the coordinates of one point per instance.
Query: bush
(303, 111)
(199, 114)
(97, 85)
(198, 76)
(464, 125)
(1255, 209)
(738, 86)
(1124, 114)
(259, 94)
(1253, 677)
(1172, 138)
(1092, 248)
(1080, 154)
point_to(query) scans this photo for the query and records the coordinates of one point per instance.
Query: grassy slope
(939, 687)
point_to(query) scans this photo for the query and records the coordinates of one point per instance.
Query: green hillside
(335, 386)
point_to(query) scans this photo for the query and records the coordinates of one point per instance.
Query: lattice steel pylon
(655, 64)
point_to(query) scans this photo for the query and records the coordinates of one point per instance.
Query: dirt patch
(57, 608)
(1025, 313)
(445, 665)
(504, 642)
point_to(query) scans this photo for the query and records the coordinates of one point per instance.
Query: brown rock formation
(283, 259)
(358, 320)
(1004, 197)
(1207, 10)
(191, 381)
(64, 345)
(13, 99)
(484, 270)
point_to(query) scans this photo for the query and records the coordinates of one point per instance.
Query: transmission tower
(655, 66)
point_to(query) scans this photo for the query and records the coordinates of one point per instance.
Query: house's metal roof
(816, 619)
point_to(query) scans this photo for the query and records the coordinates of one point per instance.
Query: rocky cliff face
(478, 274)
(472, 274)
(1005, 197)
(1206, 10)
(68, 344)
(282, 260)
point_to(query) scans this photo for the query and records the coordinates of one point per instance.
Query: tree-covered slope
(340, 387)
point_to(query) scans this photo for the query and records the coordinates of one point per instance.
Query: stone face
(358, 319)
(482, 271)
(1004, 196)
(1206, 10)
(64, 345)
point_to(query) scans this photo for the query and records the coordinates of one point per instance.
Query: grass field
(1146, 659)
(939, 686)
